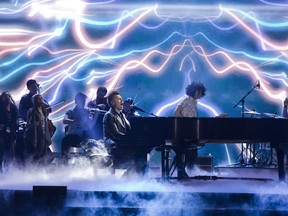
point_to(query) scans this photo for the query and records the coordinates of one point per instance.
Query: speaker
(49, 191)
(48, 200)
(205, 163)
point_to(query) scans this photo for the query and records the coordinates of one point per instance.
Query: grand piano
(150, 132)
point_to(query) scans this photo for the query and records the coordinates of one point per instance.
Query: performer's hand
(222, 115)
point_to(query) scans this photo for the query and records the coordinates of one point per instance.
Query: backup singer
(8, 122)
(26, 100)
(37, 135)
(188, 108)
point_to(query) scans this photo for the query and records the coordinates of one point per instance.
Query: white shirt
(189, 106)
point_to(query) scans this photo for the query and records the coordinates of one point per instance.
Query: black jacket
(114, 126)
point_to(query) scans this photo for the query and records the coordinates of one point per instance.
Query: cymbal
(270, 115)
(251, 113)
(222, 115)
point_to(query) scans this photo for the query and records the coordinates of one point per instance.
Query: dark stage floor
(82, 189)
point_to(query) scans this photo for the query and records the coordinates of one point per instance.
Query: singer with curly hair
(188, 108)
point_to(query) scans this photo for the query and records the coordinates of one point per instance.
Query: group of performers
(34, 142)
(109, 122)
(26, 133)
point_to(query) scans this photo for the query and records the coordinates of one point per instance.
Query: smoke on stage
(84, 179)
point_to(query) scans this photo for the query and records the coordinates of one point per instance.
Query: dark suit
(114, 126)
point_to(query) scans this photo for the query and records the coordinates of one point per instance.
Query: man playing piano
(115, 126)
(188, 108)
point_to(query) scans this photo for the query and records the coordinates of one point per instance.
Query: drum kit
(259, 154)
(254, 157)
(254, 114)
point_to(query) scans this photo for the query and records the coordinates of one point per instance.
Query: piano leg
(281, 159)
(165, 159)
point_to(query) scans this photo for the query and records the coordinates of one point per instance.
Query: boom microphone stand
(242, 101)
(141, 110)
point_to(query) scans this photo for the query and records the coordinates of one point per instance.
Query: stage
(83, 189)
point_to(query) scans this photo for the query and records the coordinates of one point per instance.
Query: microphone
(38, 88)
(136, 108)
(258, 84)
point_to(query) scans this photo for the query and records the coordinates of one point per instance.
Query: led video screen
(149, 51)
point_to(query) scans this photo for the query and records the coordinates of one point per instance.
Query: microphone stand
(152, 114)
(242, 101)
(141, 110)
